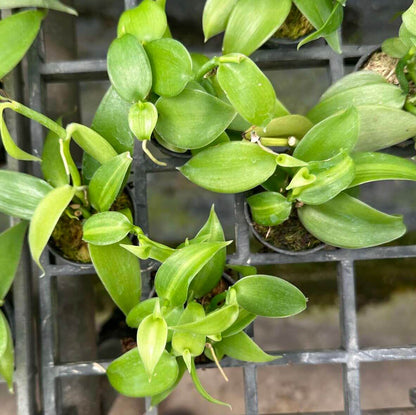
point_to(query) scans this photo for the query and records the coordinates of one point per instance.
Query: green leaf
(146, 22)
(230, 167)
(43, 4)
(176, 273)
(21, 193)
(241, 347)
(119, 271)
(252, 23)
(200, 388)
(6, 352)
(247, 88)
(106, 228)
(222, 138)
(171, 66)
(243, 320)
(269, 208)
(284, 160)
(330, 26)
(302, 178)
(268, 296)
(9, 145)
(215, 16)
(370, 167)
(150, 249)
(45, 218)
(209, 276)
(376, 94)
(52, 165)
(395, 47)
(330, 136)
(192, 119)
(107, 182)
(151, 341)
(17, 33)
(142, 120)
(286, 126)
(111, 121)
(382, 127)
(332, 177)
(128, 376)
(277, 182)
(11, 242)
(91, 142)
(409, 18)
(194, 343)
(213, 323)
(353, 224)
(129, 68)
(354, 80)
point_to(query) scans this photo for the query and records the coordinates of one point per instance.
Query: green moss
(290, 235)
(295, 26)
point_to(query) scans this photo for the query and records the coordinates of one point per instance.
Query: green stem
(231, 59)
(410, 108)
(69, 163)
(207, 67)
(36, 116)
(274, 141)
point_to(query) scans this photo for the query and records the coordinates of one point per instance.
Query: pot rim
(364, 58)
(186, 155)
(247, 216)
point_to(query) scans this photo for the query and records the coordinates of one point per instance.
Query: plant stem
(206, 68)
(274, 141)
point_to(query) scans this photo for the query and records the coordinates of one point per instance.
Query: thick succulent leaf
(111, 121)
(240, 346)
(17, 33)
(376, 94)
(11, 242)
(268, 296)
(146, 22)
(45, 218)
(286, 126)
(176, 273)
(382, 127)
(213, 323)
(395, 47)
(6, 352)
(370, 167)
(9, 145)
(150, 249)
(406, 36)
(330, 26)
(142, 120)
(330, 136)
(194, 343)
(209, 276)
(201, 389)
(243, 320)
(215, 16)
(129, 68)
(318, 12)
(222, 138)
(43, 4)
(230, 167)
(106, 228)
(21, 193)
(119, 271)
(409, 19)
(128, 376)
(332, 177)
(353, 224)
(353, 80)
(91, 142)
(269, 208)
(107, 182)
(247, 88)
(192, 119)
(265, 17)
(151, 341)
(171, 66)
(52, 165)
(302, 178)
(285, 160)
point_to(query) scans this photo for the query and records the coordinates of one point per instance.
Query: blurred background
(177, 209)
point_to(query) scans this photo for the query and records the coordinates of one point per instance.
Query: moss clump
(289, 235)
(67, 238)
(295, 26)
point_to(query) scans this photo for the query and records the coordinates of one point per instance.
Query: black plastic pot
(260, 238)
(8, 310)
(185, 155)
(363, 60)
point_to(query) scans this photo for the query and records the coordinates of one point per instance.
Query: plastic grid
(350, 355)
